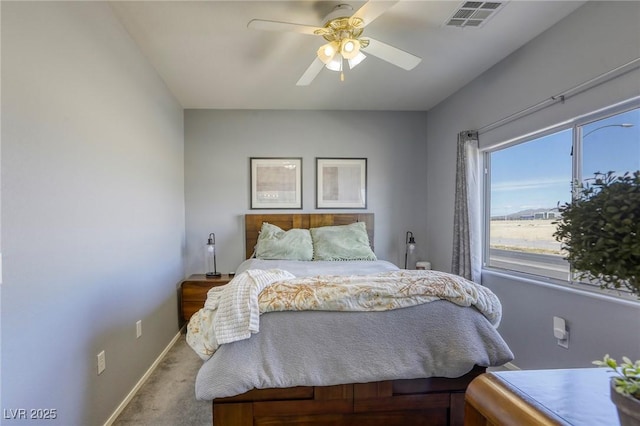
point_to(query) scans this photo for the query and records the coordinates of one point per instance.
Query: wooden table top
(579, 396)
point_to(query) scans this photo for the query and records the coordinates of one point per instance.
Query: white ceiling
(210, 59)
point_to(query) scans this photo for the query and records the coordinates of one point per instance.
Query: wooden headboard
(253, 223)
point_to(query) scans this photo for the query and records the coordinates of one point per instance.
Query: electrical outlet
(564, 342)
(102, 362)
(138, 329)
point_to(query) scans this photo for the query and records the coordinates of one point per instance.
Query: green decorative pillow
(343, 242)
(276, 244)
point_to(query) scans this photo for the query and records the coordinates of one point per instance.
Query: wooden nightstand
(193, 292)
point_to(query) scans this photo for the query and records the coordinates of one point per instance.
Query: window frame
(576, 125)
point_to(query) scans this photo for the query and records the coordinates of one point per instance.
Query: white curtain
(467, 236)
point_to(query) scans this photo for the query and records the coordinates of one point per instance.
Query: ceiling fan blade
(392, 54)
(311, 73)
(372, 9)
(261, 24)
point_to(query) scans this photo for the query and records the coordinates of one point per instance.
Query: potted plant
(625, 389)
(600, 231)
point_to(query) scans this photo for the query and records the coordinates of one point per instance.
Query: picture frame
(341, 183)
(276, 183)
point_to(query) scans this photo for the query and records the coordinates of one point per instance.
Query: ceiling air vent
(473, 13)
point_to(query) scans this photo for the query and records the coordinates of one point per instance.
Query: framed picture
(276, 183)
(341, 183)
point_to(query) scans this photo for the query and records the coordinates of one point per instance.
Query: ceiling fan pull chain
(341, 75)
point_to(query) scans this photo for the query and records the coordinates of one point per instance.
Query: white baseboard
(143, 379)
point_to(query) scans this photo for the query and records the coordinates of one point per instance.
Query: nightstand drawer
(193, 292)
(190, 308)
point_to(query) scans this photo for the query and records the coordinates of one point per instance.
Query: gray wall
(92, 210)
(218, 145)
(595, 39)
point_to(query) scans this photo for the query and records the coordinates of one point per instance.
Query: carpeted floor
(168, 396)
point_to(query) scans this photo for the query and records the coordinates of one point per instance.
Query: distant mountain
(541, 213)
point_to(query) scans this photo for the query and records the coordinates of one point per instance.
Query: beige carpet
(168, 396)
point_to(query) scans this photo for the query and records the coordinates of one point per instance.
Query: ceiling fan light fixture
(336, 63)
(327, 52)
(356, 60)
(349, 48)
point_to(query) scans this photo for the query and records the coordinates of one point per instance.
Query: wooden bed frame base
(432, 401)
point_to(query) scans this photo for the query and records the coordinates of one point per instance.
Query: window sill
(577, 288)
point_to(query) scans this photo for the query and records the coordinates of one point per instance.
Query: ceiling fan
(342, 30)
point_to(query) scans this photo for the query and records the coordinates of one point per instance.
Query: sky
(537, 174)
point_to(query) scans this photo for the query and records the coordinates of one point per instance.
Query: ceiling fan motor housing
(340, 26)
(340, 11)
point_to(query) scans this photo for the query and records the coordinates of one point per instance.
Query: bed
(407, 365)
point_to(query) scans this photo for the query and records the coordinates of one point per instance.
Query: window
(611, 144)
(526, 181)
